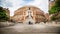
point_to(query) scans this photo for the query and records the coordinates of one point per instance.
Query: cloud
(42, 4)
(28, 0)
(5, 3)
(15, 4)
(2, 2)
(9, 4)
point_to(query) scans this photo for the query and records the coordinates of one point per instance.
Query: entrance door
(30, 22)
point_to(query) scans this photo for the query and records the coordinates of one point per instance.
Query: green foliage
(55, 8)
(57, 3)
(56, 11)
(3, 15)
(53, 18)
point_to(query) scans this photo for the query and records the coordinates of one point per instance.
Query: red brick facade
(20, 14)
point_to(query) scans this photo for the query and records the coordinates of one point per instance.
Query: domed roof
(25, 8)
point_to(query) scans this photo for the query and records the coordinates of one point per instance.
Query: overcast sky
(15, 4)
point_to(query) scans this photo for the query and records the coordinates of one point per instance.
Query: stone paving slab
(31, 29)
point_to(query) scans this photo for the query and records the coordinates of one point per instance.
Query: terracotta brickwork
(20, 15)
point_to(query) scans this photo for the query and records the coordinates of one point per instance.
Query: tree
(57, 3)
(3, 15)
(56, 11)
(56, 17)
(55, 8)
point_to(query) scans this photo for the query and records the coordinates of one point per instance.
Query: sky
(15, 4)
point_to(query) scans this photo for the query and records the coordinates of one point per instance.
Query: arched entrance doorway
(29, 21)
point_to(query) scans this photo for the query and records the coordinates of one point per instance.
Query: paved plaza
(31, 29)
